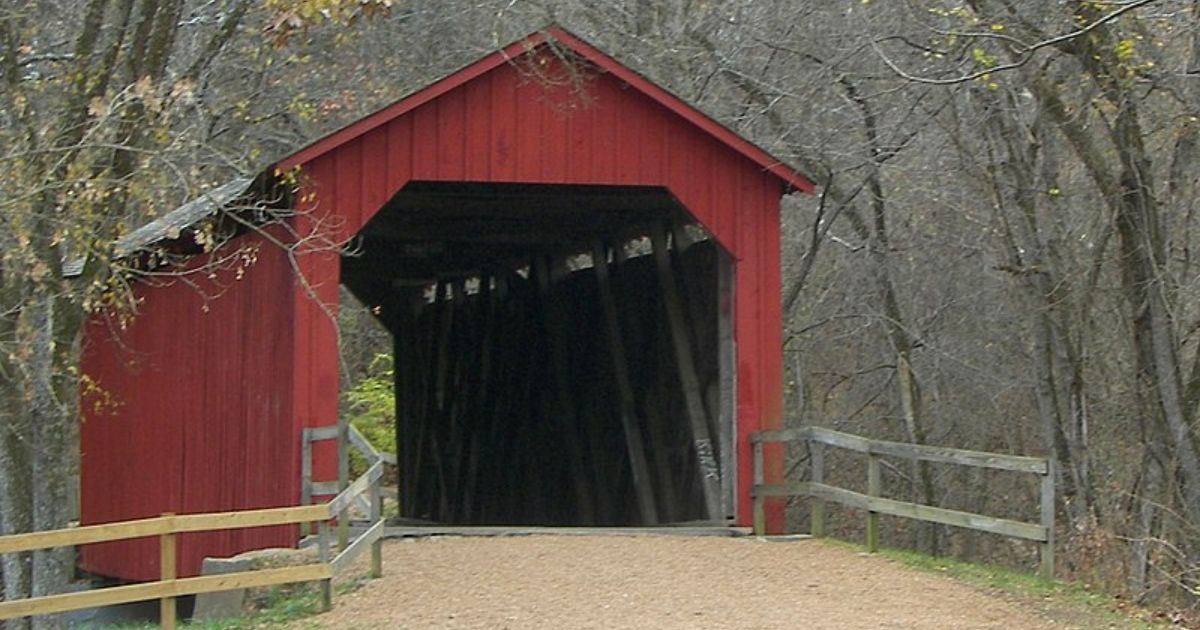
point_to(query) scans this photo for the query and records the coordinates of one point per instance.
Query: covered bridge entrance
(581, 276)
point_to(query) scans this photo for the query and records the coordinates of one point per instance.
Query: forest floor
(615, 582)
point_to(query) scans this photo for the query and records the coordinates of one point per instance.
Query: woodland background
(1000, 258)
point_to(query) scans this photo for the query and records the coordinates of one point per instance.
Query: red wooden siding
(523, 131)
(203, 415)
(212, 403)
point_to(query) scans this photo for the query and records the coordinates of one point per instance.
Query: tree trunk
(1143, 276)
(15, 487)
(923, 490)
(1146, 495)
(51, 410)
(1051, 409)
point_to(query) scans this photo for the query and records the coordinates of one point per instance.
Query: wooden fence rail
(817, 438)
(168, 527)
(372, 502)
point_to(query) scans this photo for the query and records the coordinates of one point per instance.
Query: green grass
(281, 605)
(1064, 602)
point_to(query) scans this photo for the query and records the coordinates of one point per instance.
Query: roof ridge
(790, 175)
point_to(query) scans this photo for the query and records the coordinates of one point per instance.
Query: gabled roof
(169, 225)
(216, 200)
(557, 35)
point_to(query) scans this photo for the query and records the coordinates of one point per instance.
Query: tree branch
(1024, 55)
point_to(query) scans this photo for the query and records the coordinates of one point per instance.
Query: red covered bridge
(582, 277)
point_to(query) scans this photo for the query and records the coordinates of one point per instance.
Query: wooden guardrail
(368, 450)
(168, 527)
(353, 438)
(817, 438)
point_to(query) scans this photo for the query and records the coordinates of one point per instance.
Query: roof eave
(792, 178)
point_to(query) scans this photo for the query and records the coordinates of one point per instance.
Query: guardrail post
(874, 483)
(816, 451)
(343, 455)
(306, 475)
(323, 550)
(167, 571)
(376, 516)
(760, 517)
(1047, 565)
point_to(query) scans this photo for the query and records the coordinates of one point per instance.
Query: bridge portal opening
(563, 355)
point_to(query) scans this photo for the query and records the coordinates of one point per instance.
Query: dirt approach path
(566, 582)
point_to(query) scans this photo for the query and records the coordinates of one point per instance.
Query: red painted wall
(201, 416)
(505, 126)
(211, 402)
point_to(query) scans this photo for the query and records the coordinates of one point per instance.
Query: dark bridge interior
(563, 353)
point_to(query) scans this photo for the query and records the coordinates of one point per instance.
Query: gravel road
(611, 582)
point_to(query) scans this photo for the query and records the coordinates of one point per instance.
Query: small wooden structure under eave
(582, 276)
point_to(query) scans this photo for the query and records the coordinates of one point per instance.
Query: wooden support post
(656, 421)
(874, 486)
(727, 376)
(553, 327)
(603, 488)
(343, 455)
(429, 332)
(323, 550)
(657, 418)
(167, 571)
(492, 469)
(633, 433)
(438, 460)
(471, 475)
(760, 514)
(458, 381)
(376, 516)
(694, 313)
(537, 496)
(702, 439)
(306, 474)
(1047, 564)
(482, 395)
(816, 451)
(438, 441)
(406, 355)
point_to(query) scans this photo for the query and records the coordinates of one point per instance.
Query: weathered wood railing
(353, 438)
(817, 438)
(168, 527)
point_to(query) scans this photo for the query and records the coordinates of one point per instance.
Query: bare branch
(1024, 54)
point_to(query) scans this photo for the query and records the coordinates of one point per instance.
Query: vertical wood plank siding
(199, 396)
(554, 134)
(211, 403)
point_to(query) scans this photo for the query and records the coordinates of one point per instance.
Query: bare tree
(100, 132)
